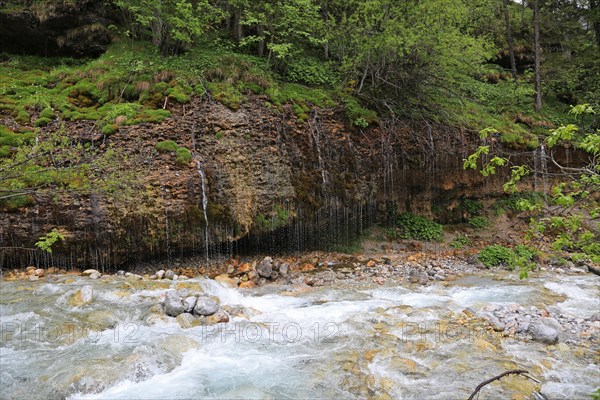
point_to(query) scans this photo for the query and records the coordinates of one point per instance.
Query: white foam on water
(426, 297)
(215, 373)
(474, 296)
(266, 303)
(583, 297)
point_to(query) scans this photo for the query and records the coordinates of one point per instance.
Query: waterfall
(204, 205)
(316, 130)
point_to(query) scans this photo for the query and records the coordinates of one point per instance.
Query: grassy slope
(131, 84)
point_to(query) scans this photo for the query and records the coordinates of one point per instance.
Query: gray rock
(551, 322)
(219, 317)
(89, 272)
(187, 320)
(189, 303)
(413, 276)
(494, 322)
(205, 306)
(439, 277)
(169, 274)
(120, 273)
(524, 324)
(160, 274)
(265, 267)
(95, 275)
(173, 303)
(595, 317)
(284, 269)
(543, 333)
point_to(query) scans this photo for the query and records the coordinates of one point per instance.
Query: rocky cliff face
(272, 183)
(55, 28)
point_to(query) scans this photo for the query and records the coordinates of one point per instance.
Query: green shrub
(496, 255)
(471, 206)
(512, 202)
(479, 222)
(166, 146)
(310, 71)
(419, 228)
(460, 242)
(183, 156)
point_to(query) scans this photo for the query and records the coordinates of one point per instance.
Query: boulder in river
(187, 320)
(89, 272)
(95, 275)
(205, 306)
(219, 317)
(173, 304)
(543, 333)
(81, 297)
(169, 274)
(189, 303)
(160, 274)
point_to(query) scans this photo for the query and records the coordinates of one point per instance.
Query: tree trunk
(261, 43)
(595, 11)
(538, 55)
(511, 47)
(326, 44)
(237, 27)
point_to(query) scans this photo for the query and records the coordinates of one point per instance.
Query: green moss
(4, 151)
(166, 146)
(357, 114)
(42, 121)
(226, 94)
(12, 204)
(254, 88)
(183, 156)
(295, 93)
(150, 116)
(297, 109)
(14, 139)
(178, 95)
(47, 113)
(109, 129)
(23, 117)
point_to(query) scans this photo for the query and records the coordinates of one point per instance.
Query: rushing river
(344, 341)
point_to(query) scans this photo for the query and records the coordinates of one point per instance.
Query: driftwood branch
(502, 375)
